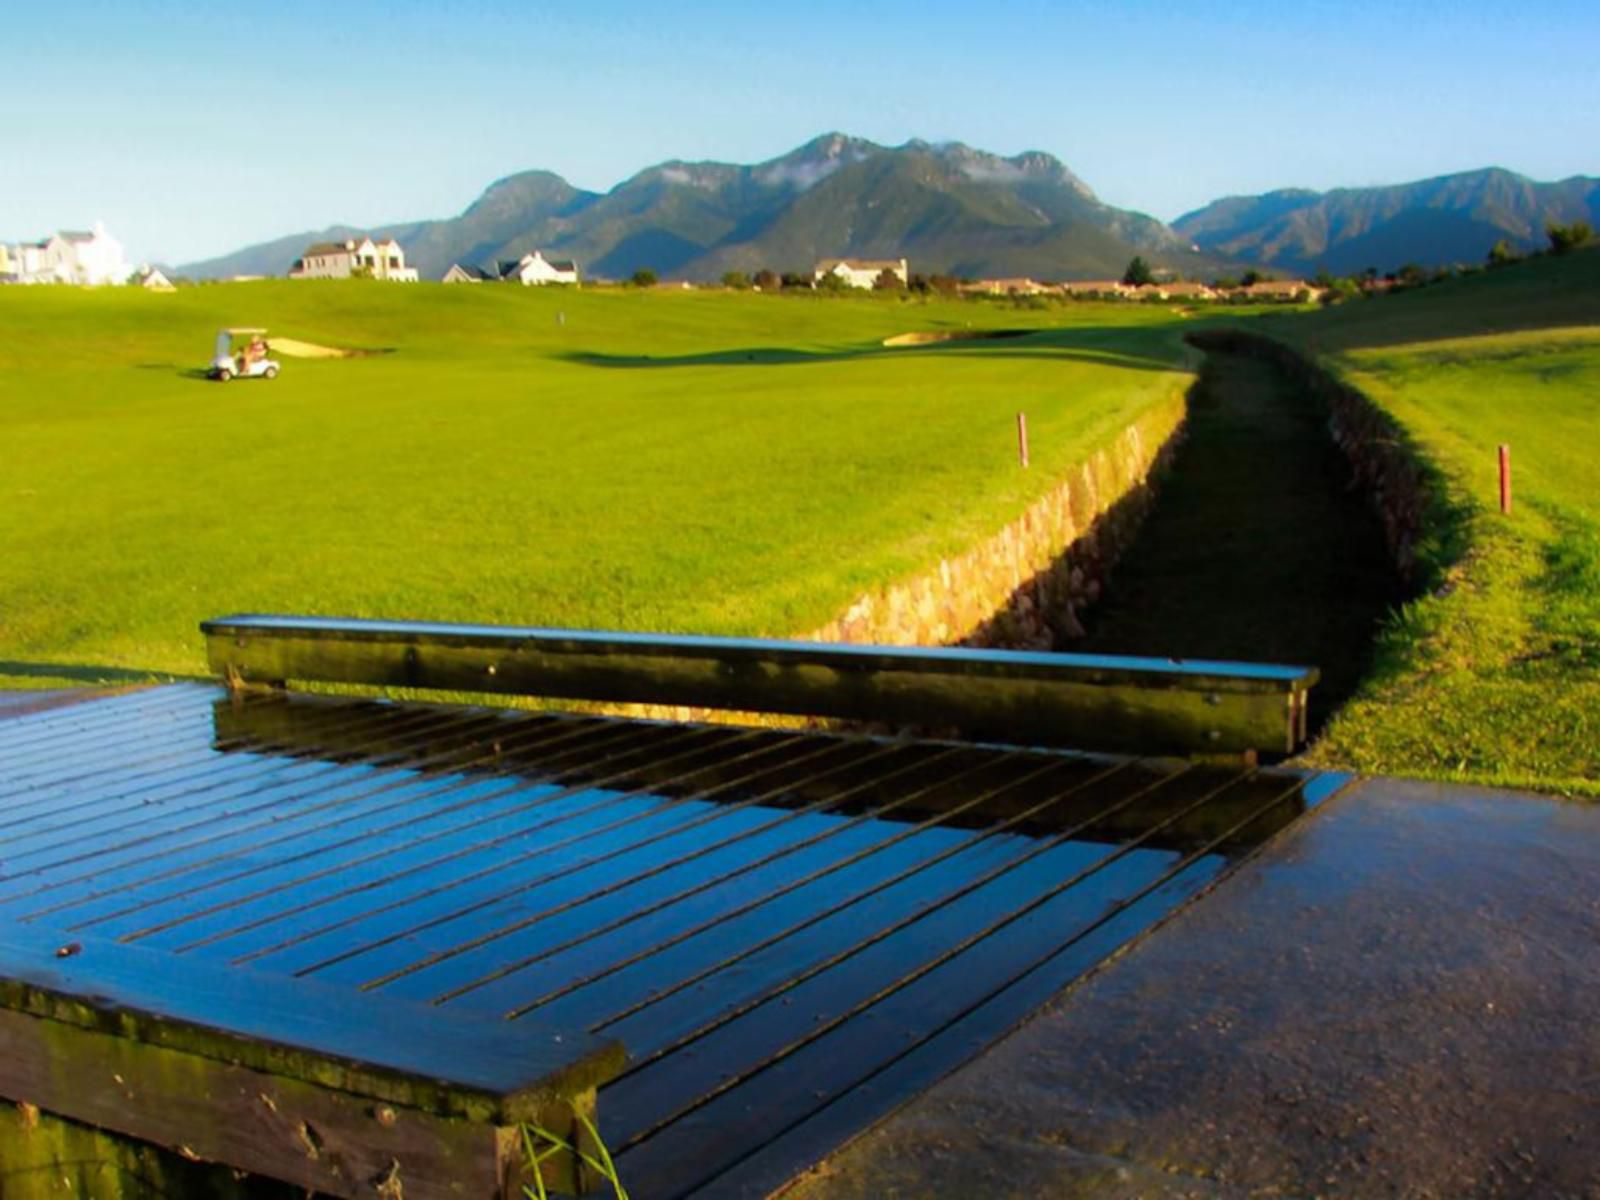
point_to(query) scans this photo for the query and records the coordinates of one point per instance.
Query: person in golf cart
(254, 352)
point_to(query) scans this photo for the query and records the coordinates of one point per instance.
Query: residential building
(47, 261)
(95, 257)
(1112, 288)
(461, 273)
(1174, 290)
(354, 257)
(1186, 291)
(153, 280)
(534, 268)
(861, 272)
(90, 258)
(1288, 291)
(1005, 287)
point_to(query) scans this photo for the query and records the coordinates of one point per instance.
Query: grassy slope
(762, 465)
(1495, 675)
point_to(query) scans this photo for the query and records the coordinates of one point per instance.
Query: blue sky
(194, 130)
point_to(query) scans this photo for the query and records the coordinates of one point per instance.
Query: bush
(643, 277)
(1568, 237)
(767, 280)
(1501, 254)
(737, 280)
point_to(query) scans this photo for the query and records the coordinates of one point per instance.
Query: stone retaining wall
(1019, 589)
(1023, 587)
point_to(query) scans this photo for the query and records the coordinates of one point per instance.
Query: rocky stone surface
(1023, 588)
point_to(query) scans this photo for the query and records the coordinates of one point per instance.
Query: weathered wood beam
(343, 1092)
(1096, 702)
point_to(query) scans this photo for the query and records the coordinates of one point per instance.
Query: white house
(1096, 288)
(96, 257)
(354, 257)
(90, 258)
(153, 280)
(1018, 286)
(461, 273)
(534, 268)
(47, 261)
(862, 272)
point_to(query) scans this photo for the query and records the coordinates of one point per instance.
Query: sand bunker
(928, 337)
(295, 348)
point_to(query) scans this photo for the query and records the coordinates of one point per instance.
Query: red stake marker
(1505, 479)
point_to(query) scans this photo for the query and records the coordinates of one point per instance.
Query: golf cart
(248, 361)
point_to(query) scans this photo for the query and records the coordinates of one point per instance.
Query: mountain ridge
(948, 207)
(1436, 221)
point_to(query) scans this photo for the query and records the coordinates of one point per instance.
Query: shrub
(1501, 254)
(643, 277)
(1568, 237)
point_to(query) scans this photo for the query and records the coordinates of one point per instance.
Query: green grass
(1494, 676)
(710, 462)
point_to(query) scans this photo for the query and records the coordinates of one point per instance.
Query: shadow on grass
(1097, 347)
(82, 673)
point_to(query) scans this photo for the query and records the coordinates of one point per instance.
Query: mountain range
(949, 208)
(1448, 219)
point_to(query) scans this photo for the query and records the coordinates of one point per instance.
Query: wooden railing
(1090, 702)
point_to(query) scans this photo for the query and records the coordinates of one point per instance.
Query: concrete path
(1400, 998)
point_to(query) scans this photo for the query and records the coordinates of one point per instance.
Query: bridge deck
(790, 933)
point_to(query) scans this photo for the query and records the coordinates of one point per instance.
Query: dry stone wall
(1024, 587)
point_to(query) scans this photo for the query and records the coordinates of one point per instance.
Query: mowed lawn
(708, 461)
(1495, 675)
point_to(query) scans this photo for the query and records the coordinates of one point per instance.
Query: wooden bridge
(358, 945)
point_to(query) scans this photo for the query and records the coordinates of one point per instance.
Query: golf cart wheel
(271, 372)
(224, 375)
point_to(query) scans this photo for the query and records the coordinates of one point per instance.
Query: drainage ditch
(1260, 545)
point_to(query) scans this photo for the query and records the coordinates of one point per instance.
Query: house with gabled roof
(354, 258)
(96, 257)
(1285, 291)
(533, 269)
(463, 273)
(1096, 288)
(153, 279)
(861, 272)
(1020, 286)
(90, 257)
